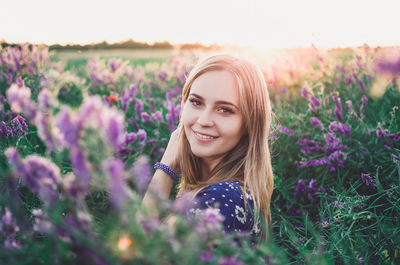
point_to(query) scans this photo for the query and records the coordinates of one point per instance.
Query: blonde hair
(250, 160)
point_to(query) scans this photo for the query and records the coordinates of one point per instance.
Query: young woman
(221, 144)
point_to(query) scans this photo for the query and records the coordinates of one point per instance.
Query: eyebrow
(218, 102)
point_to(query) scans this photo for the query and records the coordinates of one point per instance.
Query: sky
(255, 23)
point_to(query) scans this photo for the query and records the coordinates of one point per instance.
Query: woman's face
(211, 116)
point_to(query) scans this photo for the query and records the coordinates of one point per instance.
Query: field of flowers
(78, 141)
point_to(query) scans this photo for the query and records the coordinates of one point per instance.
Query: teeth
(205, 136)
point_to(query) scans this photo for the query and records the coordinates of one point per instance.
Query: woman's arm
(161, 183)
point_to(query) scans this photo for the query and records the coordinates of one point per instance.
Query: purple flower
(158, 116)
(315, 101)
(346, 129)
(349, 106)
(395, 136)
(331, 139)
(118, 189)
(146, 117)
(304, 93)
(139, 108)
(141, 173)
(114, 128)
(5, 131)
(360, 83)
(19, 99)
(42, 121)
(301, 187)
(81, 168)
(115, 64)
(336, 127)
(210, 220)
(8, 229)
(162, 75)
(364, 101)
(272, 136)
(134, 124)
(229, 261)
(285, 130)
(142, 135)
(169, 95)
(183, 203)
(206, 256)
(42, 223)
(390, 65)
(339, 114)
(39, 174)
(367, 179)
(338, 103)
(19, 125)
(316, 122)
(129, 138)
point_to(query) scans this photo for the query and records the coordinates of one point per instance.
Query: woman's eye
(195, 102)
(225, 110)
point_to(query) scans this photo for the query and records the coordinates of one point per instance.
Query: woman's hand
(171, 156)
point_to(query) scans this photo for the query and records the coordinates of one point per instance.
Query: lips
(204, 136)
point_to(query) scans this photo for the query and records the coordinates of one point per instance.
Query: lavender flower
(367, 179)
(42, 122)
(336, 127)
(206, 256)
(210, 220)
(316, 122)
(304, 93)
(129, 138)
(8, 229)
(285, 130)
(390, 65)
(346, 129)
(146, 117)
(349, 106)
(142, 135)
(139, 108)
(183, 203)
(162, 75)
(141, 173)
(19, 125)
(315, 101)
(360, 83)
(364, 101)
(5, 131)
(41, 224)
(395, 136)
(81, 167)
(20, 101)
(158, 116)
(337, 102)
(117, 187)
(301, 187)
(39, 174)
(339, 114)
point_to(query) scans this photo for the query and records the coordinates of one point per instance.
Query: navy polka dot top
(228, 198)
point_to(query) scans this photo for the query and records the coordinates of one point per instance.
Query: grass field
(78, 136)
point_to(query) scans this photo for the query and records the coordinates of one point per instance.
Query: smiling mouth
(205, 136)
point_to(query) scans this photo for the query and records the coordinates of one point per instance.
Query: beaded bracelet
(167, 170)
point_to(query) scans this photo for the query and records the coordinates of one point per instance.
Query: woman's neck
(207, 165)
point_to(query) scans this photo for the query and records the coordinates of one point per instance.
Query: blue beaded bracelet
(167, 170)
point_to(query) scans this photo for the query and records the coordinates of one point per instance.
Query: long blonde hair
(250, 160)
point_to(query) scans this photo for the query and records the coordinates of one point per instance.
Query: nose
(205, 119)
